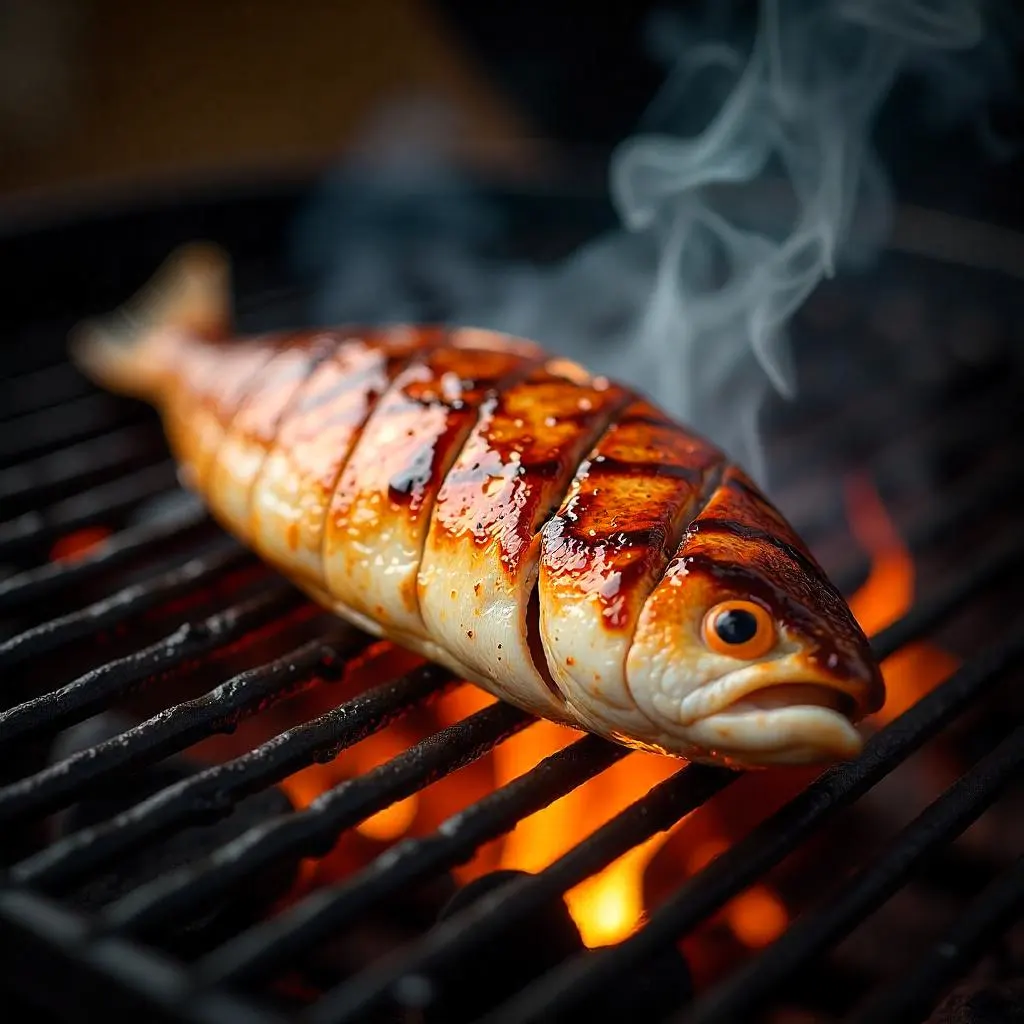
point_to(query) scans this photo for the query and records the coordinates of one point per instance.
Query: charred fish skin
(546, 533)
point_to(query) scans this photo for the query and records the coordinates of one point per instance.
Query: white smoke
(799, 115)
(725, 230)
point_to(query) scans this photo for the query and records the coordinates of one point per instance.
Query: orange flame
(608, 906)
(888, 594)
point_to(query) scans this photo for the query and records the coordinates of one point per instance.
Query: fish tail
(131, 350)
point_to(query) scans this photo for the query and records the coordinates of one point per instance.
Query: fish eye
(739, 629)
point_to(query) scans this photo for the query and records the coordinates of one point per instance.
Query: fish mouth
(779, 712)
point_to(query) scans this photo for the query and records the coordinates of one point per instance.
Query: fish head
(745, 653)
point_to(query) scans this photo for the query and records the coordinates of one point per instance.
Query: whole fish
(547, 534)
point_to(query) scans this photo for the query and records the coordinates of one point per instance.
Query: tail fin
(128, 350)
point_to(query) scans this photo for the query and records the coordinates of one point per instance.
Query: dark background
(108, 106)
(107, 93)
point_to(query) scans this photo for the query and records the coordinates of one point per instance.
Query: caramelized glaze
(511, 474)
(292, 495)
(609, 543)
(381, 509)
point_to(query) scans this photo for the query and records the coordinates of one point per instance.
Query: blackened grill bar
(100, 503)
(986, 918)
(132, 544)
(178, 728)
(36, 433)
(951, 516)
(37, 927)
(660, 810)
(51, 635)
(39, 390)
(59, 473)
(276, 942)
(25, 912)
(178, 899)
(959, 427)
(212, 791)
(313, 832)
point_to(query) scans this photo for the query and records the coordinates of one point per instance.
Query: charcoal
(659, 985)
(984, 1003)
(499, 968)
(535, 945)
(398, 920)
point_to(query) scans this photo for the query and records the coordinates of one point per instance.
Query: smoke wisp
(726, 228)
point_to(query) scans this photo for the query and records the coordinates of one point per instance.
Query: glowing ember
(888, 592)
(391, 823)
(394, 821)
(78, 544)
(757, 917)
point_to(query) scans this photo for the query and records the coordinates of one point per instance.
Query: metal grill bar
(960, 429)
(38, 926)
(81, 418)
(972, 497)
(943, 820)
(989, 914)
(313, 831)
(36, 352)
(91, 692)
(131, 544)
(988, 570)
(39, 390)
(180, 726)
(211, 793)
(820, 525)
(272, 944)
(494, 912)
(982, 574)
(138, 597)
(87, 507)
(77, 465)
(777, 836)
(167, 898)
(631, 840)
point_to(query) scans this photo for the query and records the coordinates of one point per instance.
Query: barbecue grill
(148, 869)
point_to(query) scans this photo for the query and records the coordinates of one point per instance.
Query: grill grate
(75, 459)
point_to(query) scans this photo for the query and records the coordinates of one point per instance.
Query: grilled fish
(545, 533)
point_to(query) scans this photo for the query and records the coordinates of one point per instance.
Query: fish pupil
(736, 626)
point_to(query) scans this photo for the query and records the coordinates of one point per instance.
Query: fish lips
(776, 712)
